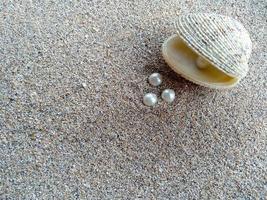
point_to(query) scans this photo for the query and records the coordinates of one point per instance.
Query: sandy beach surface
(72, 122)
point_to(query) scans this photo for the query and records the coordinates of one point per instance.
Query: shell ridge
(227, 40)
(213, 24)
(220, 39)
(212, 45)
(209, 28)
(212, 62)
(197, 49)
(217, 47)
(207, 53)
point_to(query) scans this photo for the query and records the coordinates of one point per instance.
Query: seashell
(210, 50)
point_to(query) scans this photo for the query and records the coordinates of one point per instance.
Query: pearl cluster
(150, 99)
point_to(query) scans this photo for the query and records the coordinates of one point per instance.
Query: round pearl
(201, 63)
(168, 95)
(150, 99)
(155, 79)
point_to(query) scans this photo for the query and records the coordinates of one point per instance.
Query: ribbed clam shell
(220, 39)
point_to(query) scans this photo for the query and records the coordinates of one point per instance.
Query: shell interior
(182, 59)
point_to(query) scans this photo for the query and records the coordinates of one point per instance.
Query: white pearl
(155, 79)
(168, 95)
(150, 99)
(201, 63)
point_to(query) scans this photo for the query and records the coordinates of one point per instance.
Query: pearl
(168, 95)
(150, 99)
(201, 63)
(155, 79)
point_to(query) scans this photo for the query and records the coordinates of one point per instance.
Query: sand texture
(72, 122)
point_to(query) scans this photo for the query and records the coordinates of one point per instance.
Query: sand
(72, 122)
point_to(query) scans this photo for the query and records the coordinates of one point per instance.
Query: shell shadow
(155, 63)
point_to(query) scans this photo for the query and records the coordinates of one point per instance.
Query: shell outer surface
(220, 39)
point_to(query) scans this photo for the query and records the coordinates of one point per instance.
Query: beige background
(73, 126)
